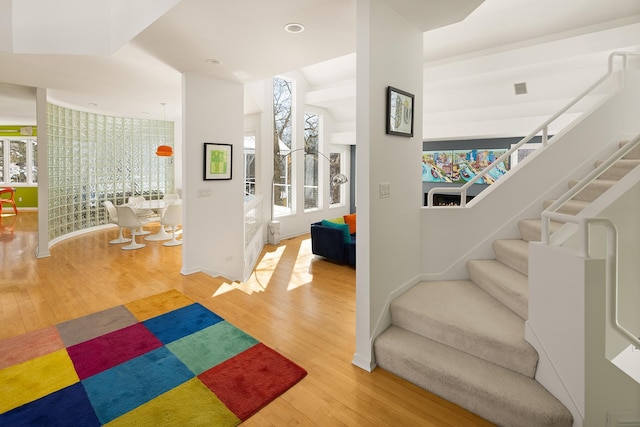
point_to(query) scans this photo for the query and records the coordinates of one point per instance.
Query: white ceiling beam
(85, 27)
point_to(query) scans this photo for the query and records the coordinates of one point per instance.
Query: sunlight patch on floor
(246, 287)
(260, 277)
(300, 275)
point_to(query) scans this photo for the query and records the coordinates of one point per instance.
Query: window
(282, 139)
(249, 166)
(18, 161)
(311, 160)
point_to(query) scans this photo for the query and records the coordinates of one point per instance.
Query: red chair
(10, 200)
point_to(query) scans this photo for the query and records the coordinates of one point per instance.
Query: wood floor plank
(298, 304)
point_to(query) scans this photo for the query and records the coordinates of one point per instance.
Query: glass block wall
(94, 157)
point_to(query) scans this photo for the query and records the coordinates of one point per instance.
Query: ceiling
(560, 45)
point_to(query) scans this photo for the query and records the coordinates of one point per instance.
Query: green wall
(29, 197)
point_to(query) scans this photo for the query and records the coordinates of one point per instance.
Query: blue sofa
(329, 242)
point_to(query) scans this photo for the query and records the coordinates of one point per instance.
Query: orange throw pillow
(351, 221)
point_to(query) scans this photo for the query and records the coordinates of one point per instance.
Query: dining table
(158, 206)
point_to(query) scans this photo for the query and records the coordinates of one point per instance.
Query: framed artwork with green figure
(217, 161)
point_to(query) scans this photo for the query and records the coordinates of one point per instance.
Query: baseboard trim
(364, 363)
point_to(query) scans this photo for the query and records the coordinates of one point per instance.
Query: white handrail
(622, 151)
(544, 128)
(611, 262)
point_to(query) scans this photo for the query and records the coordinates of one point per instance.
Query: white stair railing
(619, 154)
(543, 128)
(611, 261)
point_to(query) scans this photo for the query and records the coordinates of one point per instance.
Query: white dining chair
(113, 218)
(170, 197)
(129, 220)
(172, 218)
(145, 215)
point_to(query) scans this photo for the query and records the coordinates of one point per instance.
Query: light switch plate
(385, 190)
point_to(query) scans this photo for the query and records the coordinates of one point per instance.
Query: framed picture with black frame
(399, 112)
(217, 161)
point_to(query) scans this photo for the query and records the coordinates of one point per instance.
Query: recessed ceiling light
(294, 28)
(213, 61)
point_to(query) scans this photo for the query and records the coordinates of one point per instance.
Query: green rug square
(207, 348)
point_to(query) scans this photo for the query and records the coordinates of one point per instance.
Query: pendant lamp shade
(164, 151)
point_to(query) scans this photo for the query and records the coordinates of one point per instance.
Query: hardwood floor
(298, 304)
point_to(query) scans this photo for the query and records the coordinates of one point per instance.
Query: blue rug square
(124, 387)
(67, 407)
(181, 322)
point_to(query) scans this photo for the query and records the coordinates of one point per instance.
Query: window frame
(31, 161)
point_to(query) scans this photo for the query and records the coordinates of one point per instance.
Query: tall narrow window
(311, 161)
(282, 138)
(249, 165)
(19, 162)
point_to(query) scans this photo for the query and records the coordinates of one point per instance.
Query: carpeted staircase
(464, 340)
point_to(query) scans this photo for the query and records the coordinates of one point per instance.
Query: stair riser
(507, 294)
(517, 261)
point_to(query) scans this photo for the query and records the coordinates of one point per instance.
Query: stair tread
(593, 190)
(624, 162)
(619, 169)
(496, 394)
(462, 315)
(530, 229)
(571, 207)
(597, 181)
(505, 284)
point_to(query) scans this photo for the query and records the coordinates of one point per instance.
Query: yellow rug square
(33, 379)
(156, 305)
(190, 404)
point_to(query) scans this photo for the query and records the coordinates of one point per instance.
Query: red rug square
(252, 379)
(104, 352)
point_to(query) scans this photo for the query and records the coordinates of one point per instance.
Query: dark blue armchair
(330, 243)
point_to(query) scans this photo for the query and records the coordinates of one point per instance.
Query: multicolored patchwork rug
(159, 361)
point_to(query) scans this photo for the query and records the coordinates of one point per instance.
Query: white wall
(389, 53)
(213, 210)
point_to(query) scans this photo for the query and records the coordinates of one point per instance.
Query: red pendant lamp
(164, 150)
